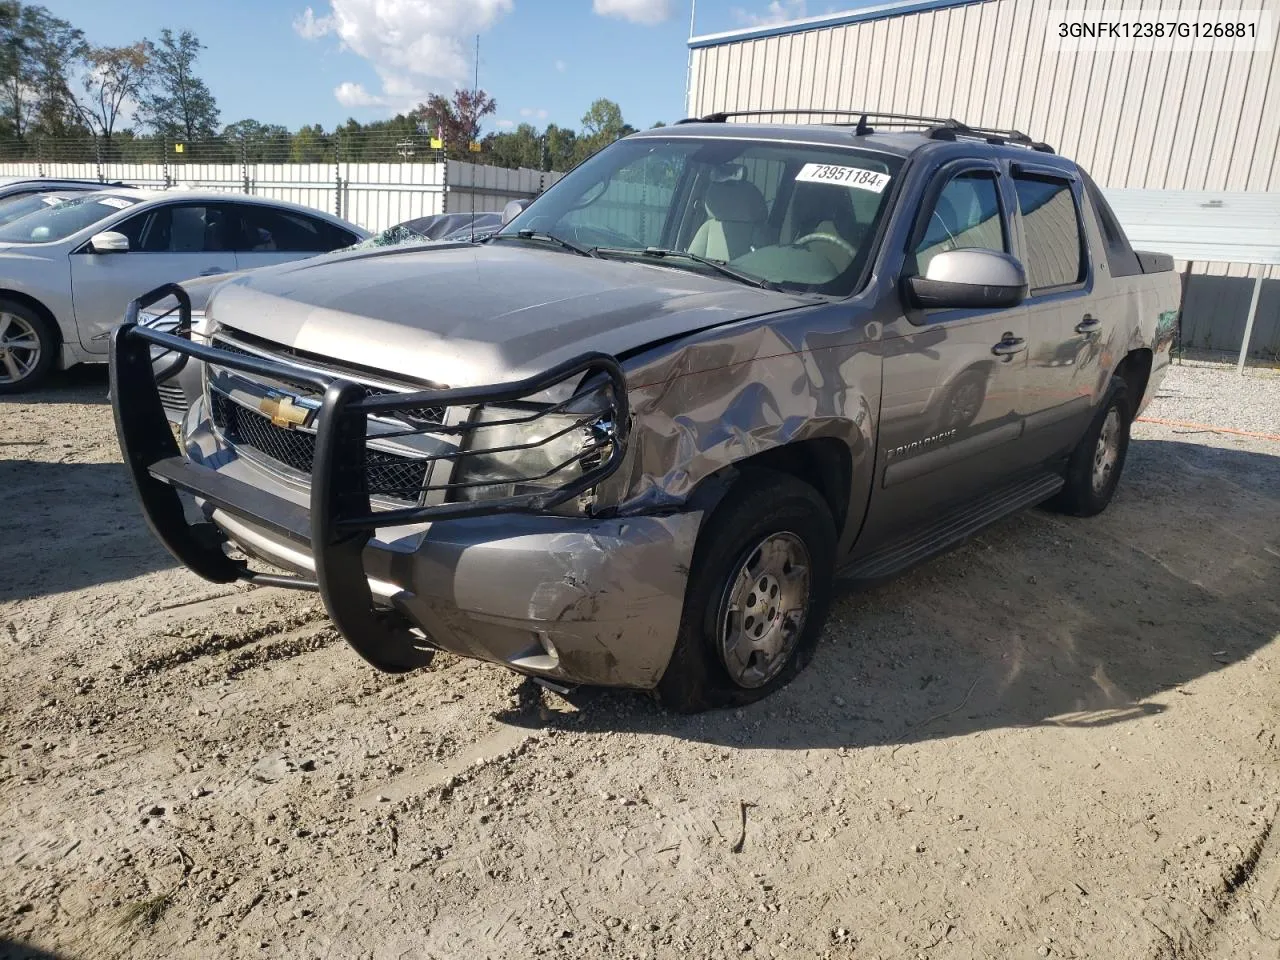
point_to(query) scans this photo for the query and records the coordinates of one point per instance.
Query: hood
(467, 315)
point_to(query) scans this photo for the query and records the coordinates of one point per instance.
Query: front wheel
(28, 347)
(757, 595)
(1093, 470)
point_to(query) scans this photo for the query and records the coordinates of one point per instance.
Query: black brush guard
(341, 519)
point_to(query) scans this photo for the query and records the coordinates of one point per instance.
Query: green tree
(176, 102)
(521, 147)
(258, 142)
(601, 125)
(561, 148)
(113, 77)
(311, 145)
(36, 49)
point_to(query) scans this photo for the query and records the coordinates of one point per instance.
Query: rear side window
(266, 230)
(1051, 225)
(1121, 259)
(965, 216)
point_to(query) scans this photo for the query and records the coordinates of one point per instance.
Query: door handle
(1008, 346)
(212, 272)
(1089, 325)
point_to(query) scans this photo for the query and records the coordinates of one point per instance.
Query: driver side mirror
(109, 242)
(970, 279)
(513, 210)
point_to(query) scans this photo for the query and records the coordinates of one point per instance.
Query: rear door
(1065, 320)
(949, 420)
(168, 243)
(270, 235)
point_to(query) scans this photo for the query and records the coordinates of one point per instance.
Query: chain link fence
(371, 178)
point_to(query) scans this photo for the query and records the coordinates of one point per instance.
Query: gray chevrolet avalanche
(633, 438)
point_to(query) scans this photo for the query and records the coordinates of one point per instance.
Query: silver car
(68, 270)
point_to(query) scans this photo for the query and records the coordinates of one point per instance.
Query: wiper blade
(660, 253)
(545, 237)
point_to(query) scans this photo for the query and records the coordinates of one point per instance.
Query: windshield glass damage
(789, 216)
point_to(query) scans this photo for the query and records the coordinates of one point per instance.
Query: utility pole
(688, 75)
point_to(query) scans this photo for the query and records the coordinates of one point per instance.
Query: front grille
(417, 416)
(172, 395)
(389, 475)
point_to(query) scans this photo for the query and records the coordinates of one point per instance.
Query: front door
(949, 417)
(167, 244)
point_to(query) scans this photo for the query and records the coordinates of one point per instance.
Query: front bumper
(572, 599)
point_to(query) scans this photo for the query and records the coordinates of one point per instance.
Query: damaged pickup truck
(634, 438)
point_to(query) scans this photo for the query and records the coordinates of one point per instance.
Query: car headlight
(168, 323)
(527, 452)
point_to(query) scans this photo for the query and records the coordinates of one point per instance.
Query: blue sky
(284, 61)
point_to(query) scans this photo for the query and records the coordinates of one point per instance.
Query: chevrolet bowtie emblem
(284, 412)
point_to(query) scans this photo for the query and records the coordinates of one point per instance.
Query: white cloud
(647, 12)
(310, 27)
(561, 66)
(415, 46)
(778, 11)
(355, 96)
(505, 124)
(534, 114)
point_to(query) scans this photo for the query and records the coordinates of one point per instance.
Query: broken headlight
(521, 450)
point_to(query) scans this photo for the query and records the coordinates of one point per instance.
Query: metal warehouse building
(1185, 145)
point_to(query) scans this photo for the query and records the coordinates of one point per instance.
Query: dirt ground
(1058, 740)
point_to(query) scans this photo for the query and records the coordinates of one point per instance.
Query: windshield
(801, 217)
(11, 210)
(398, 236)
(51, 224)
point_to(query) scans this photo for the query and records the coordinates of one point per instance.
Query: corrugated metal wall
(1169, 121)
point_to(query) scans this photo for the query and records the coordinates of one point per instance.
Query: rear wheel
(757, 595)
(1094, 469)
(28, 347)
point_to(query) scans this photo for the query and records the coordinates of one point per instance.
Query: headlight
(168, 322)
(527, 452)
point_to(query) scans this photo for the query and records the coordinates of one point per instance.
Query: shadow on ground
(70, 525)
(86, 383)
(1042, 619)
(13, 950)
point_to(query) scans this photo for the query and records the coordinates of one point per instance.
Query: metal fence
(334, 175)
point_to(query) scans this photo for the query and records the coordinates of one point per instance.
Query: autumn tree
(114, 78)
(457, 120)
(175, 102)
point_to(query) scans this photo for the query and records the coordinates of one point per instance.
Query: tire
(23, 367)
(1091, 479)
(771, 521)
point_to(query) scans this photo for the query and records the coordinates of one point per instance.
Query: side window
(966, 216)
(1120, 256)
(267, 230)
(179, 228)
(1051, 225)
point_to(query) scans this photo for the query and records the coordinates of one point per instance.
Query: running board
(951, 528)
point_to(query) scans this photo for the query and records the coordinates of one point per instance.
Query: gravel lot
(1059, 740)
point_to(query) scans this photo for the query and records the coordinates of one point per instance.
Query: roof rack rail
(936, 128)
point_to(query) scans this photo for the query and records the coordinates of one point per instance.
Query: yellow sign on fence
(178, 147)
(437, 143)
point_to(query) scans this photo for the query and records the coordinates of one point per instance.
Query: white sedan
(68, 271)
